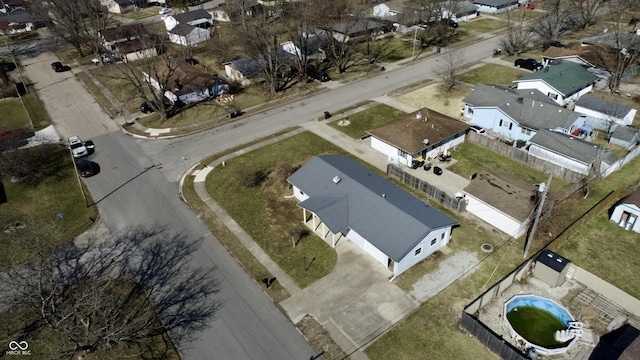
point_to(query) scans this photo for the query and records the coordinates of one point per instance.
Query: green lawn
(13, 114)
(482, 25)
(367, 119)
(492, 74)
(140, 13)
(473, 159)
(264, 212)
(54, 195)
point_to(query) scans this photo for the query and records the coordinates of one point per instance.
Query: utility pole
(527, 244)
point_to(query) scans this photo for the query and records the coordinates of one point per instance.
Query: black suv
(529, 64)
(58, 67)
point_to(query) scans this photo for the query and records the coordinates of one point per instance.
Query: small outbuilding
(551, 268)
(626, 212)
(625, 136)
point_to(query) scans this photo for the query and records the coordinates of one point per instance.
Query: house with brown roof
(626, 212)
(501, 200)
(423, 134)
(129, 42)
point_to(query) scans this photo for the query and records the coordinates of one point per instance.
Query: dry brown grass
(436, 97)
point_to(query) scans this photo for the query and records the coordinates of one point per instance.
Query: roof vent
(520, 100)
(384, 196)
(336, 179)
(419, 115)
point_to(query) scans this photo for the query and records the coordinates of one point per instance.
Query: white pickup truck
(80, 148)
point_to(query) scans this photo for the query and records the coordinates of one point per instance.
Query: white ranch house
(602, 114)
(496, 6)
(342, 199)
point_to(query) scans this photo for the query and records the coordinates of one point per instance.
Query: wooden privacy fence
(424, 187)
(522, 156)
(490, 339)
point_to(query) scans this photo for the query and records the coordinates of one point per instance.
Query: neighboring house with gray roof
(341, 198)
(423, 134)
(198, 18)
(626, 212)
(350, 30)
(625, 136)
(517, 114)
(563, 83)
(569, 152)
(495, 6)
(188, 35)
(239, 70)
(312, 44)
(602, 114)
(459, 10)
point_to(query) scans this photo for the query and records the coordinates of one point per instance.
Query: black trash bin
(327, 114)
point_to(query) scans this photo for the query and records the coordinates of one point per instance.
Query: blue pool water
(541, 303)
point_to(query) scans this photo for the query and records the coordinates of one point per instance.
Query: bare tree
(79, 22)
(587, 11)
(519, 33)
(557, 20)
(111, 294)
(450, 68)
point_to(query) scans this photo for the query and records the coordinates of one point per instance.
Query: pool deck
(491, 314)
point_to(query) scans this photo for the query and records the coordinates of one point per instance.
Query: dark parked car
(86, 168)
(235, 112)
(554, 43)
(321, 75)
(58, 67)
(529, 64)
(450, 23)
(146, 108)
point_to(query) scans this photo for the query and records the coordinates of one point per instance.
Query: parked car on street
(164, 11)
(529, 64)
(58, 67)
(86, 168)
(554, 43)
(78, 149)
(321, 76)
(146, 108)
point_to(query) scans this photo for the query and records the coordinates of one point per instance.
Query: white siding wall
(489, 118)
(170, 23)
(299, 194)
(494, 217)
(376, 253)
(427, 249)
(493, 10)
(630, 208)
(356, 239)
(141, 54)
(558, 159)
(628, 118)
(390, 151)
(543, 88)
(381, 10)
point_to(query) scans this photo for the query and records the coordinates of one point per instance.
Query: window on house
(506, 124)
(433, 242)
(442, 236)
(402, 154)
(500, 124)
(525, 131)
(418, 251)
(510, 126)
(553, 96)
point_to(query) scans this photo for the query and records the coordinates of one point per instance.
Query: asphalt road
(137, 186)
(130, 191)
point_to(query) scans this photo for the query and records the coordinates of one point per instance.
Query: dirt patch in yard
(319, 338)
(436, 97)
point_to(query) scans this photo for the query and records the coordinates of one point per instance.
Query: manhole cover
(344, 122)
(487, 248)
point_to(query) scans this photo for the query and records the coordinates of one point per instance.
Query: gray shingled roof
(390, 218)
(568, 78)
(192, 15)
(495, 3)
(602, 106)
(534, 110)
(182, 29)
(566, 145)
(462, 8)
(624, 40)
(352, 27)
(625, 133)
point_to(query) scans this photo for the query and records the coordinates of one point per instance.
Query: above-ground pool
(535, 321)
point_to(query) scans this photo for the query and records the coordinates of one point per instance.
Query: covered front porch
(318, 227)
